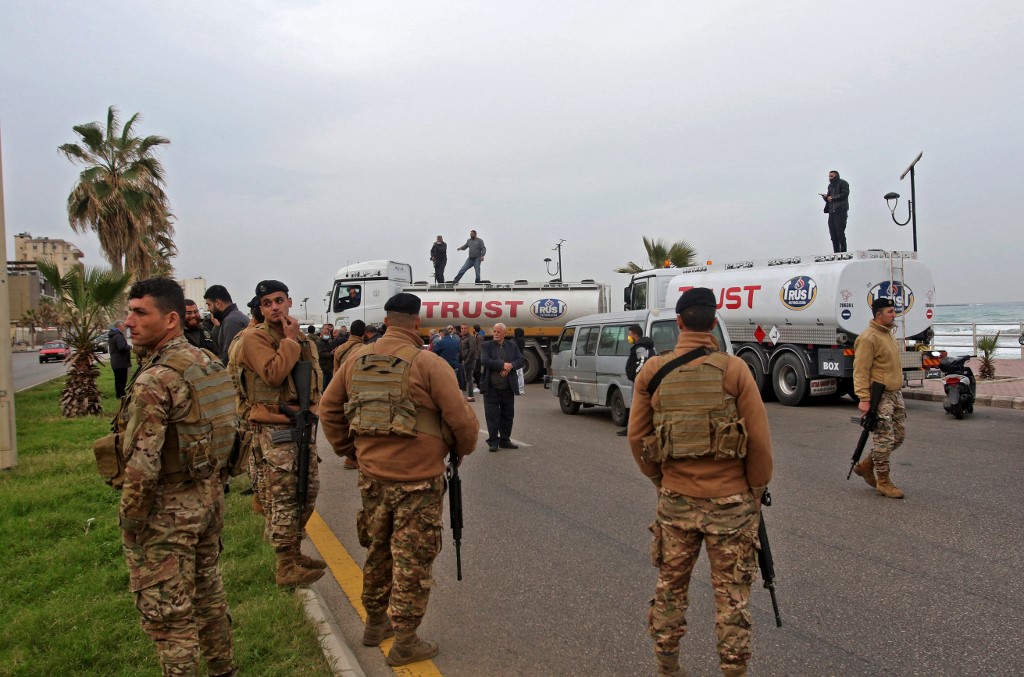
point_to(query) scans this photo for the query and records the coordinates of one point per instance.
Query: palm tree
(31, 319)
(86, 301)
(120, 194)
(49, 315)
(660, 255)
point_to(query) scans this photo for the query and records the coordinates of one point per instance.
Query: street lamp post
(547, 262)
(892, 199)
(305, 314)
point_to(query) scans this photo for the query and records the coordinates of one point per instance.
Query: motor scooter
(960, 385)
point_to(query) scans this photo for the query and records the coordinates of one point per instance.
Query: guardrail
(954, 336)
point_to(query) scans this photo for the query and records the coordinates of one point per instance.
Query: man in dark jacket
(325, 351)
(641, 347)
(837, 206)
(449, 349)
(500, 384)
(439, 257)
(232, 320)
(120, 357)
(194, 331)
(469, 354)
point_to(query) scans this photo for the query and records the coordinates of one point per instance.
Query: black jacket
(120, 352)
(839, 191)
(638, 354)
(490, 360)
(439, 252)
(201, 338)
(232, 321)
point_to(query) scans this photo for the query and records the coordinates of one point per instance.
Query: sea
(957, 325)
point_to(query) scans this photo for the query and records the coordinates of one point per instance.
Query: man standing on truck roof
(699, 431)
(837, 206)
(439, 257)
(876, 357)
(474, 257)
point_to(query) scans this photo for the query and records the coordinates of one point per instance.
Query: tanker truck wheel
(788, 380)
(620, 415)
(565, 401)
(760, 378)
(531, 371)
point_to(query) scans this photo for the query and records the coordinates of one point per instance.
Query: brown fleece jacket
(705, 477)
(432, 385)
(876, 357)
(273, 364)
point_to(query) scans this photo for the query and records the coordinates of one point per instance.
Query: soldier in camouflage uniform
(170, 523)
(699, 431)
(876, 357)
(401, 450)
(256, 478)
(266, 356)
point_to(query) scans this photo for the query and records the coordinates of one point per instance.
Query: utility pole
(8, 432)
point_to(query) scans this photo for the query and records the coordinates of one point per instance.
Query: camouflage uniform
(890, 430)
(255, 468)
(171, 529)
(728, 526)
(400, 526)
(280, 474)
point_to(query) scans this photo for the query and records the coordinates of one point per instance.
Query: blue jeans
(472, 262)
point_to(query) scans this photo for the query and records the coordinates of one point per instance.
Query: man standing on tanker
(267, 356)
(876, 357)
(400, 442)
(837, 206)
(699, 431)
(474, 257)
(171, 521)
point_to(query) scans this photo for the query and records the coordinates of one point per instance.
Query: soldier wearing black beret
(876, 357)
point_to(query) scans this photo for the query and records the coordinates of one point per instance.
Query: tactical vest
(238, 376)
(258, 391)
(380, 402)
(196, 446)
(694, 418)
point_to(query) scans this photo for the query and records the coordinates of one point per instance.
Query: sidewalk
(1006, 391)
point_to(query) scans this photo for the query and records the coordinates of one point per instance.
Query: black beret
(269, 287)
(695, 296)
(881, 303)
(254, 303)
(403, 303)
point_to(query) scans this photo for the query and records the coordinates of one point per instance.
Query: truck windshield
(346, 297)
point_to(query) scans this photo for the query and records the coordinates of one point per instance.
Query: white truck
(540, 309)
(794, 320)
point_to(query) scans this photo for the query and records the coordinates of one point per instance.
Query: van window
(664, 333)
(613, 341)
(565, 340)
(586, 344)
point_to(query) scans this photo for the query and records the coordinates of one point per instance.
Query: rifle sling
(674, 364)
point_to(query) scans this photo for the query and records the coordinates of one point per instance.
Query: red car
(57, 351)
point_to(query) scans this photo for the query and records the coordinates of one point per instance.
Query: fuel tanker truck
(539, 309)
(794, 320)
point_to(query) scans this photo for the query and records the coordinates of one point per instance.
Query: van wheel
(565, 401)
(533, 366)
(788, 380)
(620, 415)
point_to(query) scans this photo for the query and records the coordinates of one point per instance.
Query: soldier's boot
(257, 507)
(311, 562)
(886, 488)
(866, 469)
(732, 670)
(408, 648)
(291, 573)
(377, 629)
(668, 664)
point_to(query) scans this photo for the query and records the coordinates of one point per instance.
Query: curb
(998, 401)
(343, 661)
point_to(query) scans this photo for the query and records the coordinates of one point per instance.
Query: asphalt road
(28, 372)
(557, 573)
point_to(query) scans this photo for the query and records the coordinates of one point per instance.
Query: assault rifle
(302, 429)
(867, 422)
(765, 561)
(451, 474)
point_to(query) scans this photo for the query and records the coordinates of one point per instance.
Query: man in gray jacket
(232, 320)
(474, 257)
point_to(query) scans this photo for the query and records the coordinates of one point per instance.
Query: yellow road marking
(350, 578)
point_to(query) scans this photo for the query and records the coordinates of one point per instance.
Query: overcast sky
(308, 135)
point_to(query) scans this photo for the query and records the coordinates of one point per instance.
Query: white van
(588, 362)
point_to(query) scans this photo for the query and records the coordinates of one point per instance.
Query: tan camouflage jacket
(158, 396)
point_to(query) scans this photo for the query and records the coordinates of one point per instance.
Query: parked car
(55, 351)
(100, 344)
(588, 367)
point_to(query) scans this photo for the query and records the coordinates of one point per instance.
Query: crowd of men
(395, 410)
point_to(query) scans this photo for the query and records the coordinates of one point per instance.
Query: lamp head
(892, 196)
(548, 260)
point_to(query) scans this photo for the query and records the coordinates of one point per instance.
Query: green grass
(64, 601)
